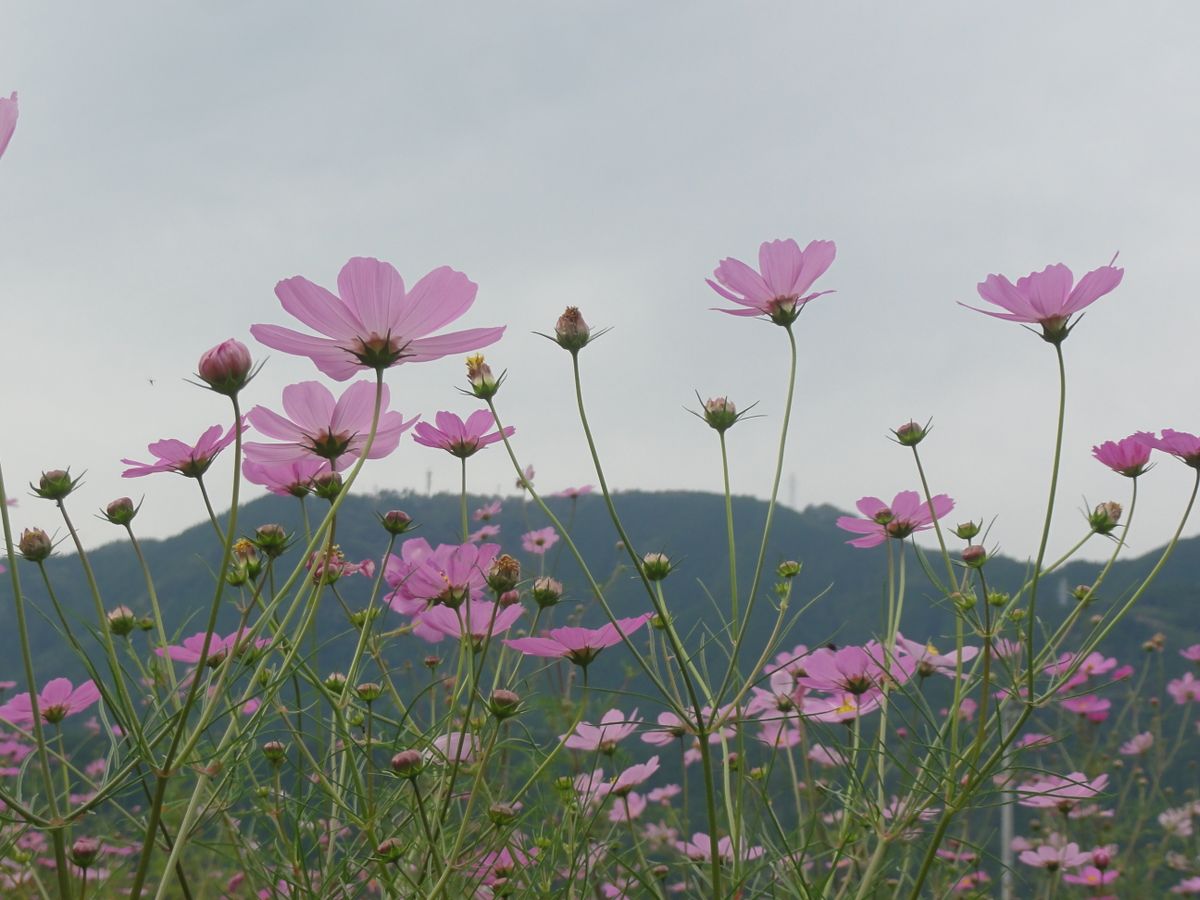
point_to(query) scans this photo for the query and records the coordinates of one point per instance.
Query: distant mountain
(848, 584)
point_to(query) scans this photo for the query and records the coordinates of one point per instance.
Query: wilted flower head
(1105, 517)
(778, 289)
(375, 323)
(176, 456)
(1047, 298)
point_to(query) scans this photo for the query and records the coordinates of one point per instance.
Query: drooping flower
(1047, 298)
(459, 438)
(778, 289)
(176, 456)
(57, 700)
(322, 427)
(8, 120)
(374, 323)
(580, 645)
(1128, 456)
(539, 541)
(614, 727)
(1180, 444)
(906, 515)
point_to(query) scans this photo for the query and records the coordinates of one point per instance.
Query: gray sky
(173, 161)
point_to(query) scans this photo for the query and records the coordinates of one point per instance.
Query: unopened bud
(407, 763)
(274, 751)
(571, 331)
(966, 530)
(510, 598)
(390, 849)
(547, 591)
(121, 511)
(396, 521)
(432, 662)
(502, 813)
(720, 413)
(327, 485)
(484, 384)
(1083, 593)
(35, 545)
(504, 704)
(656, 566)
(1104, 517)
(334, 682)
(369, 691)
(121, 620)
(910, 433)
(998, 599)
(85, 851)
(271, 539)
(974, 556)
(55, 484)
(788, 569)
(226, 367)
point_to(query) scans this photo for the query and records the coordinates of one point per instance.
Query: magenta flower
(176, 456)
(422, 576)
(1185, 689)
(614, 727)
(287, 478)
(539, 541)
(1089, 706)
(1060, 792)
(226, 367)
(57, 700)
(8, 120)
(1047, 298)
(1127, 456)
(459, 438)
(906, 515)
(1183, 446)
(474, 619)
(579, 645)
(374, 324)
(219, 648)
(778, 289)
(324, 428)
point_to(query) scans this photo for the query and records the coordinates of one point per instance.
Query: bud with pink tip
(226, 367)
(571, 331)
(35, 545)
(121, 511)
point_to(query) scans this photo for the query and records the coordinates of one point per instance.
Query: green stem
(729, 537)
(462, 501)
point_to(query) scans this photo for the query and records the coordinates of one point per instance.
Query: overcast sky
(174, 161)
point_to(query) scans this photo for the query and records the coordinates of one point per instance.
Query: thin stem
(462, 500)
(729, 537)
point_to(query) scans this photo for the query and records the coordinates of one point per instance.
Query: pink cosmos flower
(670, 728)
(579, 645)
(699, 849)
(1128, 456)
(1091, 707)
(632, 806)
(1189, 887)
(1051, 857)
(1047, 298)
(8, 120)
(375, 324)
(790, 660)
(853, 670)
(176, 456)
(614, 727)
(474, 618)
(525, 482)
(502, 864)
(1137, 745)
(573, 493)
(1092, 877)
(322, 427)
(486, 533)
(218, 649)
(929, 660)
(57, 700)
(1185, 689)
(636, 774)
(1060, 792)
(455, 745)
(906, 515)
(1180, 444)
(330, 565)
(459, 438)
(487, 512)
(422, 576)
(290, 478)
(778, 289)
(539, 541)
(1191, 653)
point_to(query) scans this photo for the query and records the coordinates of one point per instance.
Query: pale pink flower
(422, 576)
(374, 323)
(539, 541)
(484, 533)
(8, 120)
(573, 493)
(320, 426)
(57, 700)
(670, 728)
(1128, 456)
(854, 670)
(1185, 689)
(1137, 745)
(633, 776)
(929, 660)
(906, 515)
(290, 478)
(1090, 706)
(664, 795)
(459, 438)
(189, 650)
(614, 727)
(628, 808)
(779, 289)
(1189, 887)
(1177, 822)
(525, 482)
(1047, 298)
(191, 461)
(487, 512)
(791, 660)
(699, 849)
(1051, 857)
(473, 618)
(1092, 877)
(455, 745)
(1191, 653)
(1060, 792)
(505, 863)
(1183, 446)
(579, 645)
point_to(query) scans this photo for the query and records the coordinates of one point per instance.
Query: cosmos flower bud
(966, 530)
(431, 662)
(121, 620)
(334, 682)
(55, 484)
(85, 851)
(720, 413)
(502, 813)
(910, 433)
(656, 566)
(484, 384)
(35, 545)
(396, 521)
(369, 691)
(510, 598)
(547, 591)
(571, 331)
(504, 574)
(271, 540)
(275, 752)
(407, 763)
(327, 485)
(504, 704)
(788, 569)
(998, 599)
(1083, 593)
(1104, 517)
(121, 511)
(390, 849)
(974, 556)
(226, 367)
